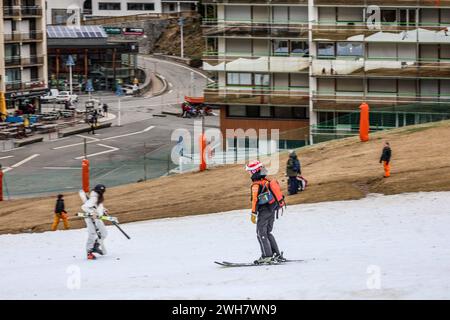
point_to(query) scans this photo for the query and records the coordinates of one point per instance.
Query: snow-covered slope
(399, 243)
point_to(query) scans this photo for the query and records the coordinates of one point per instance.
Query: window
(281, 47)
(262, 80)
(243, 79)
(252, 111)
(265, 111)
(300, 48)
(325, 49)
(132, 6)
(388, 16)
(349, 49)
(109, 6)
(236, 111)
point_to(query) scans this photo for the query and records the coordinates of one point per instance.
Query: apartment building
(23, 52)
(59, 10)
(305, 67)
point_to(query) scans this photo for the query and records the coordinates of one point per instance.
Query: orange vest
(270, 185)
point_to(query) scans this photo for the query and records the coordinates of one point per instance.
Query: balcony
(215, 94)
(387, 32)
(239, 62)
(255, 29)
(394, 3)
(34, 11)
(22, 11)
(255, 1)
(31, 36)
(12, 12)
(379, 101)
(381, 67)
(17, 61)
(28, 85)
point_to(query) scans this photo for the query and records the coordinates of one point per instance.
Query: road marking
(128, 134)
(18, 164)
(61, 168)
(111, 149)
(7, 157)
(77, 144)
(14, 149)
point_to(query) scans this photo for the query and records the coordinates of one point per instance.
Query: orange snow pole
(364, 122)
(85, 174)
(1, 184)
(202, 152)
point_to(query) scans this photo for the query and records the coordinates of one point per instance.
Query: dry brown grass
(337, 170)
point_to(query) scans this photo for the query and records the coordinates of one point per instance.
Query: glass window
(300, 113)
(325, 49)
(388, 16)
(109, 6)
(300, 48)
(349, 49)
(236, 111)
(262, 79)
(281, 47)
(253, 111)
(132, 6)
(244, 79)
(282, 112)
(265, 111)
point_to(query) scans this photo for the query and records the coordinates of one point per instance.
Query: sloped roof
(82, 32)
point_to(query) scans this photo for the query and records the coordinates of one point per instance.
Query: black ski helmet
(100, 188)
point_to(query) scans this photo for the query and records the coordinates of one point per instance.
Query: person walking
(94, 210)
(267, 199)
(60, 214)
(105, 110)
(385, 158)
(293, 170)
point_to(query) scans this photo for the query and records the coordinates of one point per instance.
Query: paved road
(116, 154)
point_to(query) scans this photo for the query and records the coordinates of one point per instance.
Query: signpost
(181, 24)
(70, 63)
(119, 93)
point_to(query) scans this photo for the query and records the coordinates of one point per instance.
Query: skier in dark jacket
(386, 159)
(60, 214)
(264, 197)
(293, 169)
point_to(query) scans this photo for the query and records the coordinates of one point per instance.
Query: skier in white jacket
(94, 211)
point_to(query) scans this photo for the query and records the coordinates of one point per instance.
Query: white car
(65, 96)
(50, 96)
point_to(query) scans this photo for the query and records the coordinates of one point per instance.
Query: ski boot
(97, 249)
(264, 260)
(91, 256)
(278, 258)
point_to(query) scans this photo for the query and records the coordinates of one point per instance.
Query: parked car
(65, 96)
(50, 96)
(128, 89)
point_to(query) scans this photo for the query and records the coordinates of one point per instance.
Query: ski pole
(118, 227)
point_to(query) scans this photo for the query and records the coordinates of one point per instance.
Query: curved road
(117, 153)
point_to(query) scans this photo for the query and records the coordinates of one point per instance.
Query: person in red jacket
(267, 199)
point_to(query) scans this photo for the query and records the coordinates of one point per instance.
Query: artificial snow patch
(381, 247)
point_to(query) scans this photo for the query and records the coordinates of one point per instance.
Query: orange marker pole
(202, 152)
(364, 124)
(85, 175)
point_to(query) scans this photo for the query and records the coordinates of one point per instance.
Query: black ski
(251, 264)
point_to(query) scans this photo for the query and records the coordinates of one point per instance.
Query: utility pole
(181, 24)
(70, 63)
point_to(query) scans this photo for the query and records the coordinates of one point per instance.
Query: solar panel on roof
(91, 32)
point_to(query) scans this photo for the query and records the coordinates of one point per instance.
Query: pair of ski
(252, 264)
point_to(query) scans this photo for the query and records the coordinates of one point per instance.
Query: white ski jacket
(92, 207)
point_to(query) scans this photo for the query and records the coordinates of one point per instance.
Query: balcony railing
(257, 95)
(256, 1)
(23, 37)
(24, 11)
(25, 85)
(254, 28)
(396, 3)
(349, 101)
(381, 66)
(246, 62)
(18, 61)
(384, 32)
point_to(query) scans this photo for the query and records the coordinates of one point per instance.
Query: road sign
(70, 62)
(89, 86)
(181, 21)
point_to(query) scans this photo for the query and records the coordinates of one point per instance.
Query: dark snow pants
(293, 185)
(264, 227)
